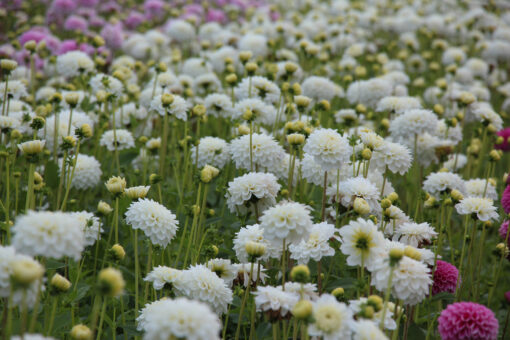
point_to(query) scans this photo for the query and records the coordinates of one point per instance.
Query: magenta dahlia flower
(505, 200)
(505, 133)
(503, 230)
(467, 321)
(445, 278)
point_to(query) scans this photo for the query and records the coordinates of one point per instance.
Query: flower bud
(302, 310)
(111, 282)
(116, 185)
(385, 123)
(72, 99)
(392, 197)
(290, 67)
(248, 115)
(255, 249)
(30, 45)
(302, 101)
(118, 252)
(467, 98)
(26, 271)
(251, 68)
(104, 208)
(32, 147)
(244, 56)
(167, 99)
(231, 79)
(137, 192)
(243, 130)
(324, 105)
(412, 252)
(439, 109)
(338, 293)
(494, 155)
(385, 203)
(37, 123)
(456, 195)
(8, 65)
(366, 154)
(300, 273)
(81, 332)
(60, 283)
(199, 110)
(154, 178)
(396, 255)
(295, 139)
(361, 206)
(376, 302)
(98, 41)
(208, 173)
(68, 142)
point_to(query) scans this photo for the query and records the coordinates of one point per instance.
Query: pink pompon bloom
(35, 33)
(76, 23)
(505, 199)
(113, 35)
(445, 278)
(64, 6)
(467, 321)
(67, 45)
(216, 15)
(503, 231)
(505, 146)
(96, 21)
(88, 3)
(134, 19)
(507, 296)
(154, 9)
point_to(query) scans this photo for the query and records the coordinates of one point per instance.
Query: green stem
(243, 303)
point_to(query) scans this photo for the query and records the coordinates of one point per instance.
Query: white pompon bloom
(312, 171)
(397, 104)
(275, 300)
(328, 148)
(87, 172)
(211, 150)
(367, 330)
(107, 83)
(309, 290)
(219, 105)
(415, 234)
(91, 226)
(178, 318)
(7, 256)
(483, 208)
(32, 337)
(316, 246)
(156, 221)
(356, 187)
(16, 89)
(253, 233)
(438, 182)
(389, 323)
(320, 88)
(395, 156)
(124, 139)
(332, 319)
(200, 283)
(257, 187)
(178, 108)
(161, 276)
(243, 273)
(361, 242)
(224, 269)
(411, 279)
(77, 120)
(49, 234)
(263, 113)
(455, 162)
(479, 187)
(266, 152)
(74, 63)
(261, 88)
(413, 122)
(287, 221)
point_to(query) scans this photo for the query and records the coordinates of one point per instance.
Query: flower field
(254, 169)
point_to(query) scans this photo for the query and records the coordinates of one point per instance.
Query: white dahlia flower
(483, 208)
(414, 234)
(479, 187)
(224, 269)
(398, 104)
(328, 148)
(219, 105)
(200, 283)
(258, 88)
(253, 233)
(74, 63)
(161, 276)
(316, 246)
(91, 226)
(332, 319)
(288, 221)
(107, 83)
(213, 151)
(275, 300)
(178, 108)
(263, 113)
(356, 187)
(87, 172)
(49, 234)
(438, 182)
(124, 140)
(257, 187)
(395, 156)
(413, 122)
(178, 318)
(320, 88)
(157, 222)
(368, 330)
(266, 152)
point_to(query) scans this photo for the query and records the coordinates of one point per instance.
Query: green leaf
(51, 174)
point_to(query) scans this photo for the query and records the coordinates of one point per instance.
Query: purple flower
(445, 278)
(96, 21)
(67, 45)
(113, 35)
(76, 23)
(134, 19)
(216, 15)
(88, 3)
(154, 9)
(503, 230)
(64, 6)
(505, 200)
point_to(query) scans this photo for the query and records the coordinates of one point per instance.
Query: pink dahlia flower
(445, 278)
(467, 321)
(505, 133)
(503, 230)
(505, 200)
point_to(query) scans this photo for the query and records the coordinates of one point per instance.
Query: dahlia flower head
(161, 276)
(415, 234)
(91, 226)
(178, 108)
(505, 146)
(32, 337)
(445, 278)
(394, 156)
(155, 220)
(243, 273)
(332, 319)
(224, 269)
(87, 172)
(413, 122)
(74, 63)
(178, 318)
(411, 279)
(219, 105)
(259, 88)
(482, 208)
(503, 231)
(263, 113)
(320, 88)
(213, 151)
(505, 200)
(367, 330)
(257, 187)
(200, 283)
(275, 300)
(49, 234)
(480, 187)
(397, 105)
(266, 152)
(356, 187)
(316, 246)
(438, 182)
(253, 233)
(328, 148)
(467, 320)
(121, 137)
(356, 306)
(107, 83)
(78, 119)
(287, 221)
